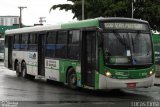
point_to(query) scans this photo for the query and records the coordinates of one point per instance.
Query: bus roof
(71, 25)
(32, 29)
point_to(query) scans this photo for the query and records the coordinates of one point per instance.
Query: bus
(2, 49)
(156, 44)
(98, 54)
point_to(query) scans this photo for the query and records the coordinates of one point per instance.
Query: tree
(144, 9)
(150, 11)
(94, 8)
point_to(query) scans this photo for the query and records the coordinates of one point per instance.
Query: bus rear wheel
(31, 77)
(24, 70)
(72, 79)
(17, 69)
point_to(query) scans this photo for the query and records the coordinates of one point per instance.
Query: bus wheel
(31, 77)
(24, 70)
(17, 69)
(72, 79)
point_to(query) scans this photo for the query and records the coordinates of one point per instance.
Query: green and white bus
(101, 53)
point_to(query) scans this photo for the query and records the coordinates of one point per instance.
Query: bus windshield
(127, 48)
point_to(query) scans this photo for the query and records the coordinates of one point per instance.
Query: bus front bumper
(110, 83)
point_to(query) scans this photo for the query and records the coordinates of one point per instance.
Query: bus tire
(24, 70)
(18, 73)
(49, 81)
(72, 79)
(31, 77)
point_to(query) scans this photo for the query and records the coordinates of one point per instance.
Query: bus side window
(73, 45)
(16, 43)
(61, 47)
(24, 42)
(51, 44)
(33, 42)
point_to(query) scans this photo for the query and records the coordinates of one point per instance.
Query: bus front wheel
(72, 79)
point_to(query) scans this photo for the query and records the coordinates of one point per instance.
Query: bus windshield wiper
(133, 45)
(120, 39)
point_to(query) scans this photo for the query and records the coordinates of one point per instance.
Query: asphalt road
(20, 92)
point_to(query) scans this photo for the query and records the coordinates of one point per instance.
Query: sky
(36, 9)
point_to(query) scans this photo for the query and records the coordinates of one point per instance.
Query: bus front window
(127, 48)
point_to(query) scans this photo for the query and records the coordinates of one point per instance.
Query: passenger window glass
(51, 44)
(33, 42)
(61, 47)
(16, 43)
(73, 46)
(24, 42)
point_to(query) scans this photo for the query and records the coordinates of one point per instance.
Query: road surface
(20, 92)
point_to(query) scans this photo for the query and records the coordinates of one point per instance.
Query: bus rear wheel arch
(16, 68)
(24, 70)
(72, 79)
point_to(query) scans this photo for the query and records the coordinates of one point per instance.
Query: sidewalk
(157, 81)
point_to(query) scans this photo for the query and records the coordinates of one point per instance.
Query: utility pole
(133, 8)
(41, 20)
(82, 9)
(20, 19)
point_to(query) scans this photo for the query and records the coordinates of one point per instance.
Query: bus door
(88, 57)
(9, 41)
(41, 53)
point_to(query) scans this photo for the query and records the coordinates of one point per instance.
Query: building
(9, 20)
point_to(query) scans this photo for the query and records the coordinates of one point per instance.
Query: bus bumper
(110, 83)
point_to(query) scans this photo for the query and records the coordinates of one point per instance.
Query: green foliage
(144, 9)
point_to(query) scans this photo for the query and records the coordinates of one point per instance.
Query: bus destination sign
(120, 25)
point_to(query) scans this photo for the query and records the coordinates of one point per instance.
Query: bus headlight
(151, 72)
(108, 74)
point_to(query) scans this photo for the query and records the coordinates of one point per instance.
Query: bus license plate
(131, 85)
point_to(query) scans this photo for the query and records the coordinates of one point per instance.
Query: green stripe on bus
(81, 24)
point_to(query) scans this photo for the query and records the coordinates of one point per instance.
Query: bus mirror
(100, 39)
(155, 28)
(99, 29)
